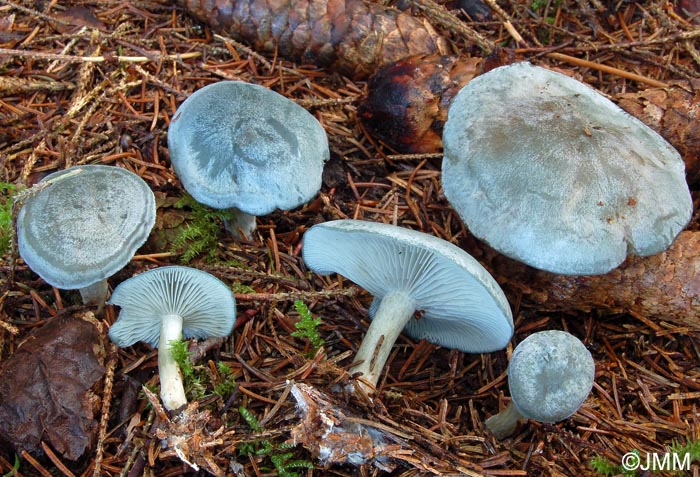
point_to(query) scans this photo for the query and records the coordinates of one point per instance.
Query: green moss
(228, 381)
(200, 236)
(7, 194)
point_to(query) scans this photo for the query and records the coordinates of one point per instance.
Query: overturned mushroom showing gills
(85, 225)
(168, 304)
(460, 305)
(550, 374)
(549, 172)
(240, 146)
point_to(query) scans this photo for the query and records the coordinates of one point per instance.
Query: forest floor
(97, 82)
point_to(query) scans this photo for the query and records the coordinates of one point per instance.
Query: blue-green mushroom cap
(550, 172)
(239, 145)
(550, 375)
(85, 225)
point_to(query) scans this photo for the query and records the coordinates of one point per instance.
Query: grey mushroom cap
(462, 307)
(85, 225)
(205, 303)
(548, 171)
(239, 145)
(550, 374)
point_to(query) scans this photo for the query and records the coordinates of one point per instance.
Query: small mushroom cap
(462, 305)
(236, 144)
(86, 226)
(206, 305)
(550, 375)
(549, 172)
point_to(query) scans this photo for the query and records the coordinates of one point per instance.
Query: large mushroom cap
(550, 172)
(239, 145)
(550, 374)
(462, 305)
(84, 227)
(207, 306)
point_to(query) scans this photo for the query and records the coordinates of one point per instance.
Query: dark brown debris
(49, 387)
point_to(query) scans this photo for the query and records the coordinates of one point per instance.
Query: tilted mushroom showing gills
(550, 374)
(240, 146)
(84, 226)
(459, 304)
(166, 304)
(551, 173)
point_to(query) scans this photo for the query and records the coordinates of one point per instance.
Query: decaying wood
(674, 113)
(665, 287)
(334, 435)
(186, 435)
(406, 110)
(330, 434)
(352, 36)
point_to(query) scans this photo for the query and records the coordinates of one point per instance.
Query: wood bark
(663, 287)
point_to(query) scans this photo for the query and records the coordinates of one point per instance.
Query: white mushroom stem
(240, 222)
(172, 390)
(394, 311)
(504, 423)
(95, 294)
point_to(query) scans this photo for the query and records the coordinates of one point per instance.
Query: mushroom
(240, 146)
(85, 225)
(424, 285)
(163, 305)
(551, 173)
(550, 374)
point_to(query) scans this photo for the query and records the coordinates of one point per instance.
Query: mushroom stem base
(95, 294)
(172, 389)
(394, 311)
(240, 225)
(504, 423)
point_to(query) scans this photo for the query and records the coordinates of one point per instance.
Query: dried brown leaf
(46, 388)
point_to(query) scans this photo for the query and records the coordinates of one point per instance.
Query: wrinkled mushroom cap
(206, 305)
(462, 307)
(548, 171)
(84, 227)
(550, 374)
(236, 144)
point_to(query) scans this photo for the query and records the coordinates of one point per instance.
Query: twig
(241, 47)
(300, 295)
(11, 85)
(608, 69)
(9, 52)
(56, 461)
(442, 16)
(106, 403)
(507, 21)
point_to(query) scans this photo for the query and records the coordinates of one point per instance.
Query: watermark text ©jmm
(669, 461)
